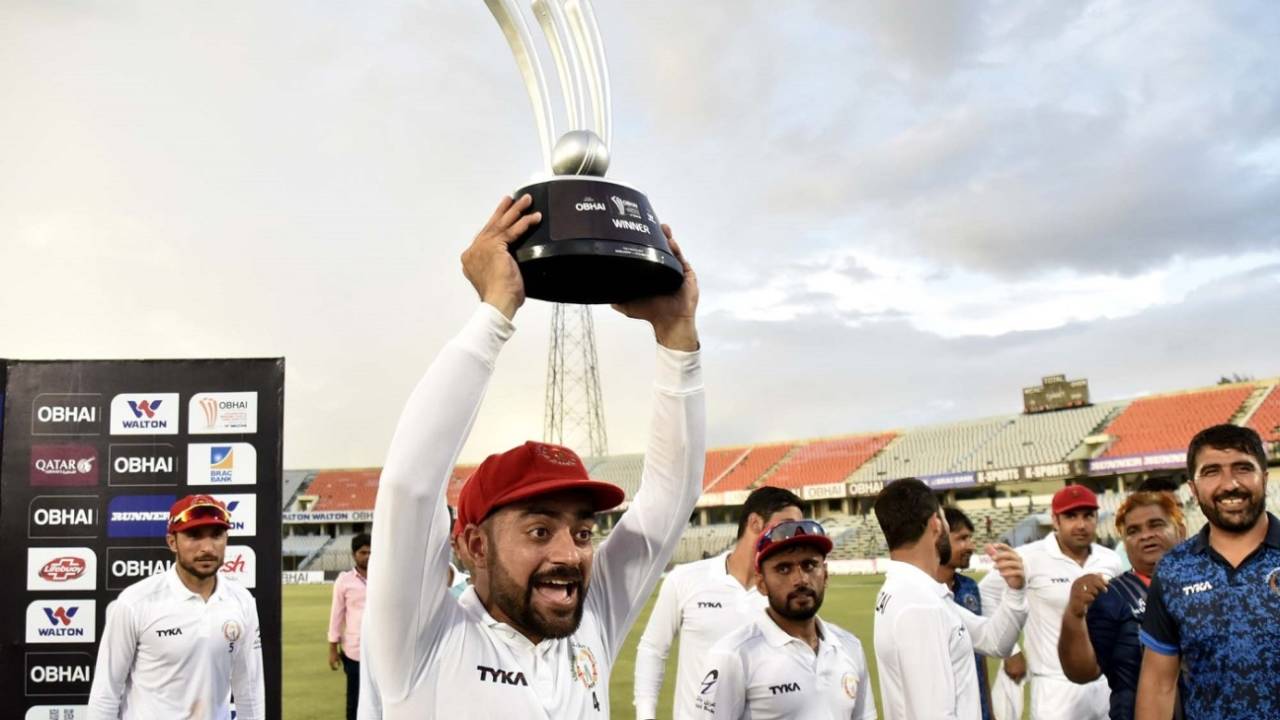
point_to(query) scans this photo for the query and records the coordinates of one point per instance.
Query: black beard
(1252, 511)
(196, 572)
(784, 608)
(944, 549)
(504, 592)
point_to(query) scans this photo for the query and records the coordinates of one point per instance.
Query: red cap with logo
(195, 511)
(527, 471)
(1073, 497)
(791, 532)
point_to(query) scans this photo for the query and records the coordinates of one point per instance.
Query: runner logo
(222, 464)
(223, 413)
(64, 466)
(244, 513)
(138, 516)
(61, 673)
(61, 568)
(144, 414)
(63, 516)
(66, 414)
(142, 464)
(61, 621)
(128, 565)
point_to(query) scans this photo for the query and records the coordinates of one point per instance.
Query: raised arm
(1080, 623)
(998, 634)
(655, 644)
(632, 558)
(407, 598)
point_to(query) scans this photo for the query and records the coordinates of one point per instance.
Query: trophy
(599, 240)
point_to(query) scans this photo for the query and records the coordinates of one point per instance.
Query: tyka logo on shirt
(784, 688)
(702, 604)
(1194, 588)
(504, 677)
(168, 632)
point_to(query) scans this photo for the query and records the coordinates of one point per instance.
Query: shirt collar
(1200, 543)
(182, 591)
(911, 573)
(470, 603)
(777, 637)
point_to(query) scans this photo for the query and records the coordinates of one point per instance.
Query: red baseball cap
(195, 511)
(791, 532)
(527, 471)
(1073, 497)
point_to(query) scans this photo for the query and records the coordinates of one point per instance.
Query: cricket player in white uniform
(787, 662)
(536, 634)
(704, 601)
(179, 644)
(1052, 565)
(925, 641)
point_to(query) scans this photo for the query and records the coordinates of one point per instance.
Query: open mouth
(1232, 503)
(558, 593)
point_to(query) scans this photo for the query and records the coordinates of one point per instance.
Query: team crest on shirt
(231, 630)
(1273, 581)
(585, 668)
(850, 684)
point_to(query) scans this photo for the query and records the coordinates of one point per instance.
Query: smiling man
(536, 634)
(1052, 565)
(1215, 599)
(1101, 624)
(178, 644)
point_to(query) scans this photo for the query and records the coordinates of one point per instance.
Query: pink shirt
(345, 614)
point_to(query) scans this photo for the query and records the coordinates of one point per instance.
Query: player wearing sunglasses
(179, 644)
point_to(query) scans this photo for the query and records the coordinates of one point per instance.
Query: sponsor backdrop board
(92, 454)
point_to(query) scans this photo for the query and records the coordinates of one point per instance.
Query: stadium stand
(621, 470)
(932, 450)
(1168, 422)
(456, 479)
(302, 545)
(705, 541)
(1266, 418)
(293, 481)
(826, 461)
(345, 489)
(335, 555)
(1040, 438)
(759, 460)
(720, 462)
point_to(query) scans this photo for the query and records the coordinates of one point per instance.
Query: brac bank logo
(144, 414)
(130, 516)
(64, 466)
(61, 621)
(222, 464)
(222, 413)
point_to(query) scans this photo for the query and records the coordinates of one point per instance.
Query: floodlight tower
(574, 414)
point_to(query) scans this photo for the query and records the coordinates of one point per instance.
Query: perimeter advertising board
(92, 454)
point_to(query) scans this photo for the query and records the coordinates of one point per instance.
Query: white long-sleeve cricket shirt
(437, 657)
(167, 653)
(924, 645)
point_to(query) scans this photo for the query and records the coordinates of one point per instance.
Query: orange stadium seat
(1266, 419)
(1162, 424)
(345, 489)
(720, 462)
(826, 461)
(758, 461)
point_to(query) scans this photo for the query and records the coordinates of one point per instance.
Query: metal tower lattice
(575, 409)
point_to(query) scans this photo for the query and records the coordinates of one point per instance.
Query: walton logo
(145, 408)
(169, 632)
(506, 677)
(63, 569)
(1194, 588)
(61, 615)
(702, 604)
(784, 688)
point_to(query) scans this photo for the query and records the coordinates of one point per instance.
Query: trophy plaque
(599, 240)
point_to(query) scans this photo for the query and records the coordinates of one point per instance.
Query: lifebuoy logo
(142, 465)
(222, 464)
(131, 516)
(222, 413)
(61, 568)
(62, 621)
(58, 673)
(244, 513)
(144, 414)
(66, 414)
(64, 466)
(128, 565)
(62, 516)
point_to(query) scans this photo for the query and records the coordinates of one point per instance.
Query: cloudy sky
(901, 212)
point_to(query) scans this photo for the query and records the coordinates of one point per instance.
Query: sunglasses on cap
(788, 529)
(203, 510)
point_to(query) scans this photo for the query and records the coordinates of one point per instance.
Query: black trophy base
(599, 242)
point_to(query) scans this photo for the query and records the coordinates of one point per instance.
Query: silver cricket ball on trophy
(599, 240)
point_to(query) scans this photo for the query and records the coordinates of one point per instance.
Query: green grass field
(313, 692)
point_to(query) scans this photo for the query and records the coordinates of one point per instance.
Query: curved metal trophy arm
(586, 35)
(568, 65)
(517, 34)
